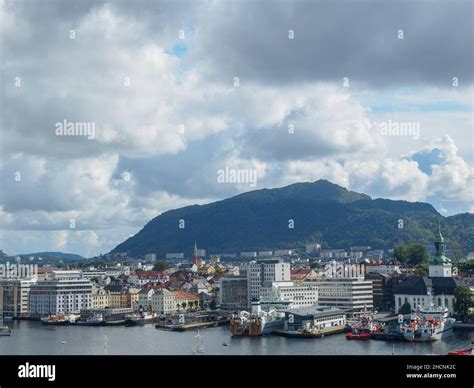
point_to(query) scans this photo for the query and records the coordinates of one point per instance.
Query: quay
(193, 325)
(302, 334)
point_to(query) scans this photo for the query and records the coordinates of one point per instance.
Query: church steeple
(195, 253)
(439, 264)
(439, 243)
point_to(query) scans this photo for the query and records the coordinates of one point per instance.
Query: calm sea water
(33, 338)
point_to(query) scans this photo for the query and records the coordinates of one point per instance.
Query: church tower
(439, 264)
(195, 254)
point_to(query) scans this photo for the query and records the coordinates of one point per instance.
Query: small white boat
(5, 331)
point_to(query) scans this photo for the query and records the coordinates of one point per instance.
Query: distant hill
(322, 212)
(54, 255)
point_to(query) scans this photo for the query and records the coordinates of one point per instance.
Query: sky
(181, 97)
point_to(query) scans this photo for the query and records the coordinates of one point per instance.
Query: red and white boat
(463, 352)
(363, 329)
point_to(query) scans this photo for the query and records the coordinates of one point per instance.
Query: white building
(66, 292)
(347, 293)
(163, 302)
(248, 254)
(262, 273)
(144, 301)
(265, 253)
(302, 295)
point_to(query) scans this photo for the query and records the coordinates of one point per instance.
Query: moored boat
(363, 329)
(5, 331)
(463, 352)
(256, 323)
(59, 320)
(430, 324)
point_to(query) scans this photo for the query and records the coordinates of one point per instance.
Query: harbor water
(33, 338)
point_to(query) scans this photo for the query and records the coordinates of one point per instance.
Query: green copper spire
(440, 245)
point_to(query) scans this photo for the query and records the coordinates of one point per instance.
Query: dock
(193, 325)
(319, 334)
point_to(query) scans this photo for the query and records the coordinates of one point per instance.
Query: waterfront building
(264, 272)
(438, 286)
(168, 302)
(265, 253)
(352, 293)
(233, 292)
(133, 291)
(252, 254)
(144, 299)
(316, 317)
(14, 297)
(66, 292)
(383, 286)
(163, 302)
(100, 298)
(119, 297)
(302, 295)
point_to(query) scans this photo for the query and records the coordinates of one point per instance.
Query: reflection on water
(34, 338)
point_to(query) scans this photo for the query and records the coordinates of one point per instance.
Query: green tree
(190, 304)
(178, 306)
(462, 302)
(400, 253)
(183, 305)
(161, 266)
(417, 254)
(196, 303)
(421, 269)
(213, 305)
(405, 309)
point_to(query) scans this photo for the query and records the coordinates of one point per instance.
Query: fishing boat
(95, 320)
(429, 324)
(363, 329)
(5, 331)
(141, 318)
(60, 320)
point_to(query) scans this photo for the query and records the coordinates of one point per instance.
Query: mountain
(321, 211)
(53, 255)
